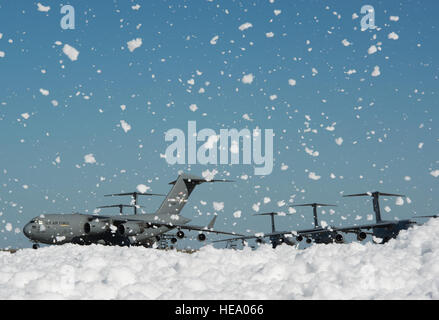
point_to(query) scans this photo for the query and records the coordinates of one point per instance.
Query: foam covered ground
(405, 268)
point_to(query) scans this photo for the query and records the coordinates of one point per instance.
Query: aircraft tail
(180, 192)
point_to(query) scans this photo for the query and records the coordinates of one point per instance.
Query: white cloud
(142, 188)
(399, 201)
(339, 141)
(42, 8)
(209, 175)
(248, 78)
(393, 36)
(372, 49)
(89, 158)
(214, 40)
(247, 117)
(218, 206)
(435, 173)
(70, 52)
(313, 176)
(345, 42)
(125, 126)
(245, 26)
(376, 71)
(44, 92)
(134, 44)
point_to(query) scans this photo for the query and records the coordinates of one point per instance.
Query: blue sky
(387, 123)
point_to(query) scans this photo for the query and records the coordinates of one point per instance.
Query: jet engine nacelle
(361, 236)
(130, 229)
(96, 227)
(201, 237)
(339, 238)
(180, 234)
(289, 242)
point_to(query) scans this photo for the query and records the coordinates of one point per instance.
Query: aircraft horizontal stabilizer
(118, 206)
(391, 195)
(272, 214)
(198, 180)
(358, 195)
(133, 194)
(313, 205)
(374, 194)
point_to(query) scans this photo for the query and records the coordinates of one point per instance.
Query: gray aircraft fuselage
(85, 229)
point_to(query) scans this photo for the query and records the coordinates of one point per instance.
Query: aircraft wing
(265, 235)
(364, 226)
(157, 224)
(310, 232)
(196, 228)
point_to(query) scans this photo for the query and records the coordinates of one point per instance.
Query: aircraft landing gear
(35, 246)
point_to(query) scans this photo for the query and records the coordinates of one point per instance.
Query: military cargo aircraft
(317, 234)
(123, 230)
(382, 230)
(276, 237)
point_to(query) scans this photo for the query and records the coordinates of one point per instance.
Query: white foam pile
(405, 268)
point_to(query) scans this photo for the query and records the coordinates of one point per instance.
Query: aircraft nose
(27, 229)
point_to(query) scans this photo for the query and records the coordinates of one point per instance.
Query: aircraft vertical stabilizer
(180, 192)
